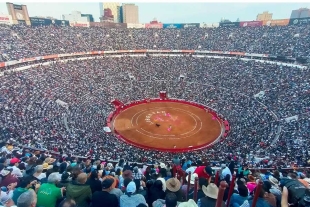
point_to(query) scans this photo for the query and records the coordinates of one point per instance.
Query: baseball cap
(107, 183)
(14, 160)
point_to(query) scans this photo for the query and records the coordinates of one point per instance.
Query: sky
(170, 12)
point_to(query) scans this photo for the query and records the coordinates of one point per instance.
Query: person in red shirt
(204, 172)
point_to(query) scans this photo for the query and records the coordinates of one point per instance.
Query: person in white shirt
(225, 171)
(191, 169)
(14, 162)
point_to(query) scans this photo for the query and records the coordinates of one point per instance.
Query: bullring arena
(167, 125)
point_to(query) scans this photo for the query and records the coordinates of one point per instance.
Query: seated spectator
(243, 171)
(131, 199)
(238, 199)
(261, 202)
(189, 203)
(48, 193)
(67, 203)
(171, 200)
(192, 183)
(6, 199)
(269, 197)
(14, 162)
(8, 178)
(251, 184)
(116, 191)
(25, 184)
(173, 185)
(200, 193)
(39, 174)
(104, 197)
(27, 199)
(156, 192)
(79, 191)
(93, 182)
(211, 193)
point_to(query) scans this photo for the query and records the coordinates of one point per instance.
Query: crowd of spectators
(261, 136)
(20, 41)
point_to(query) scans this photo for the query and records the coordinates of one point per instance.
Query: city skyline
(170, 12)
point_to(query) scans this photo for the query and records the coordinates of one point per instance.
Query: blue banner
(189, 25)
(40, 21)
(172, 26)
(299, 21)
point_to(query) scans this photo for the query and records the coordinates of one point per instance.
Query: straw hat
(193, 176)
(49, 160)
(273, 180)
(47, 166)
(211, 191)
(173, 184)
(189, 203)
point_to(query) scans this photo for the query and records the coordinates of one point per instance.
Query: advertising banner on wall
(189, 25)
(5, 19)
(299, 21)
(79, 24)
(61, 23)
(229, 24)
(156, 25)
(276, 22)
(172, 26)
(137, 26)
(251, 24)
(40, 21)
(209, 25)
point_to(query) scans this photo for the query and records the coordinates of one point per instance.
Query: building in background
(107, 16)
(77, 16)
(90, 17)
(130, 13)
(265, 16)
(115, 10)
(300, 13)
(19, 13)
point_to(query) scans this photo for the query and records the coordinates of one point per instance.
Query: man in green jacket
(48, 193)
(79, 191)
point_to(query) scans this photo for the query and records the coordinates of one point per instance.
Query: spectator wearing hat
(130, 199)
(239, 198)
(80, 191)
(14, 162)
(39, 174)
(27, 199)
(210, 198)
(173, 185)
(49, 193)
(65, 180)
(204, 171)
(94, 182)
(8, 178)
(6, 199)
(251, 184)
(116, 191)
(275, 189)
(104, 198)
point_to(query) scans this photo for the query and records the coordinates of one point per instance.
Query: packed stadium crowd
(261, 135)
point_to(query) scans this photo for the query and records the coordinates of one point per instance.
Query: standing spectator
(8, 178)
(48, 193)
(39, 174)
(204, 171)
(104, 198)
(80, 191)
(25, 184)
